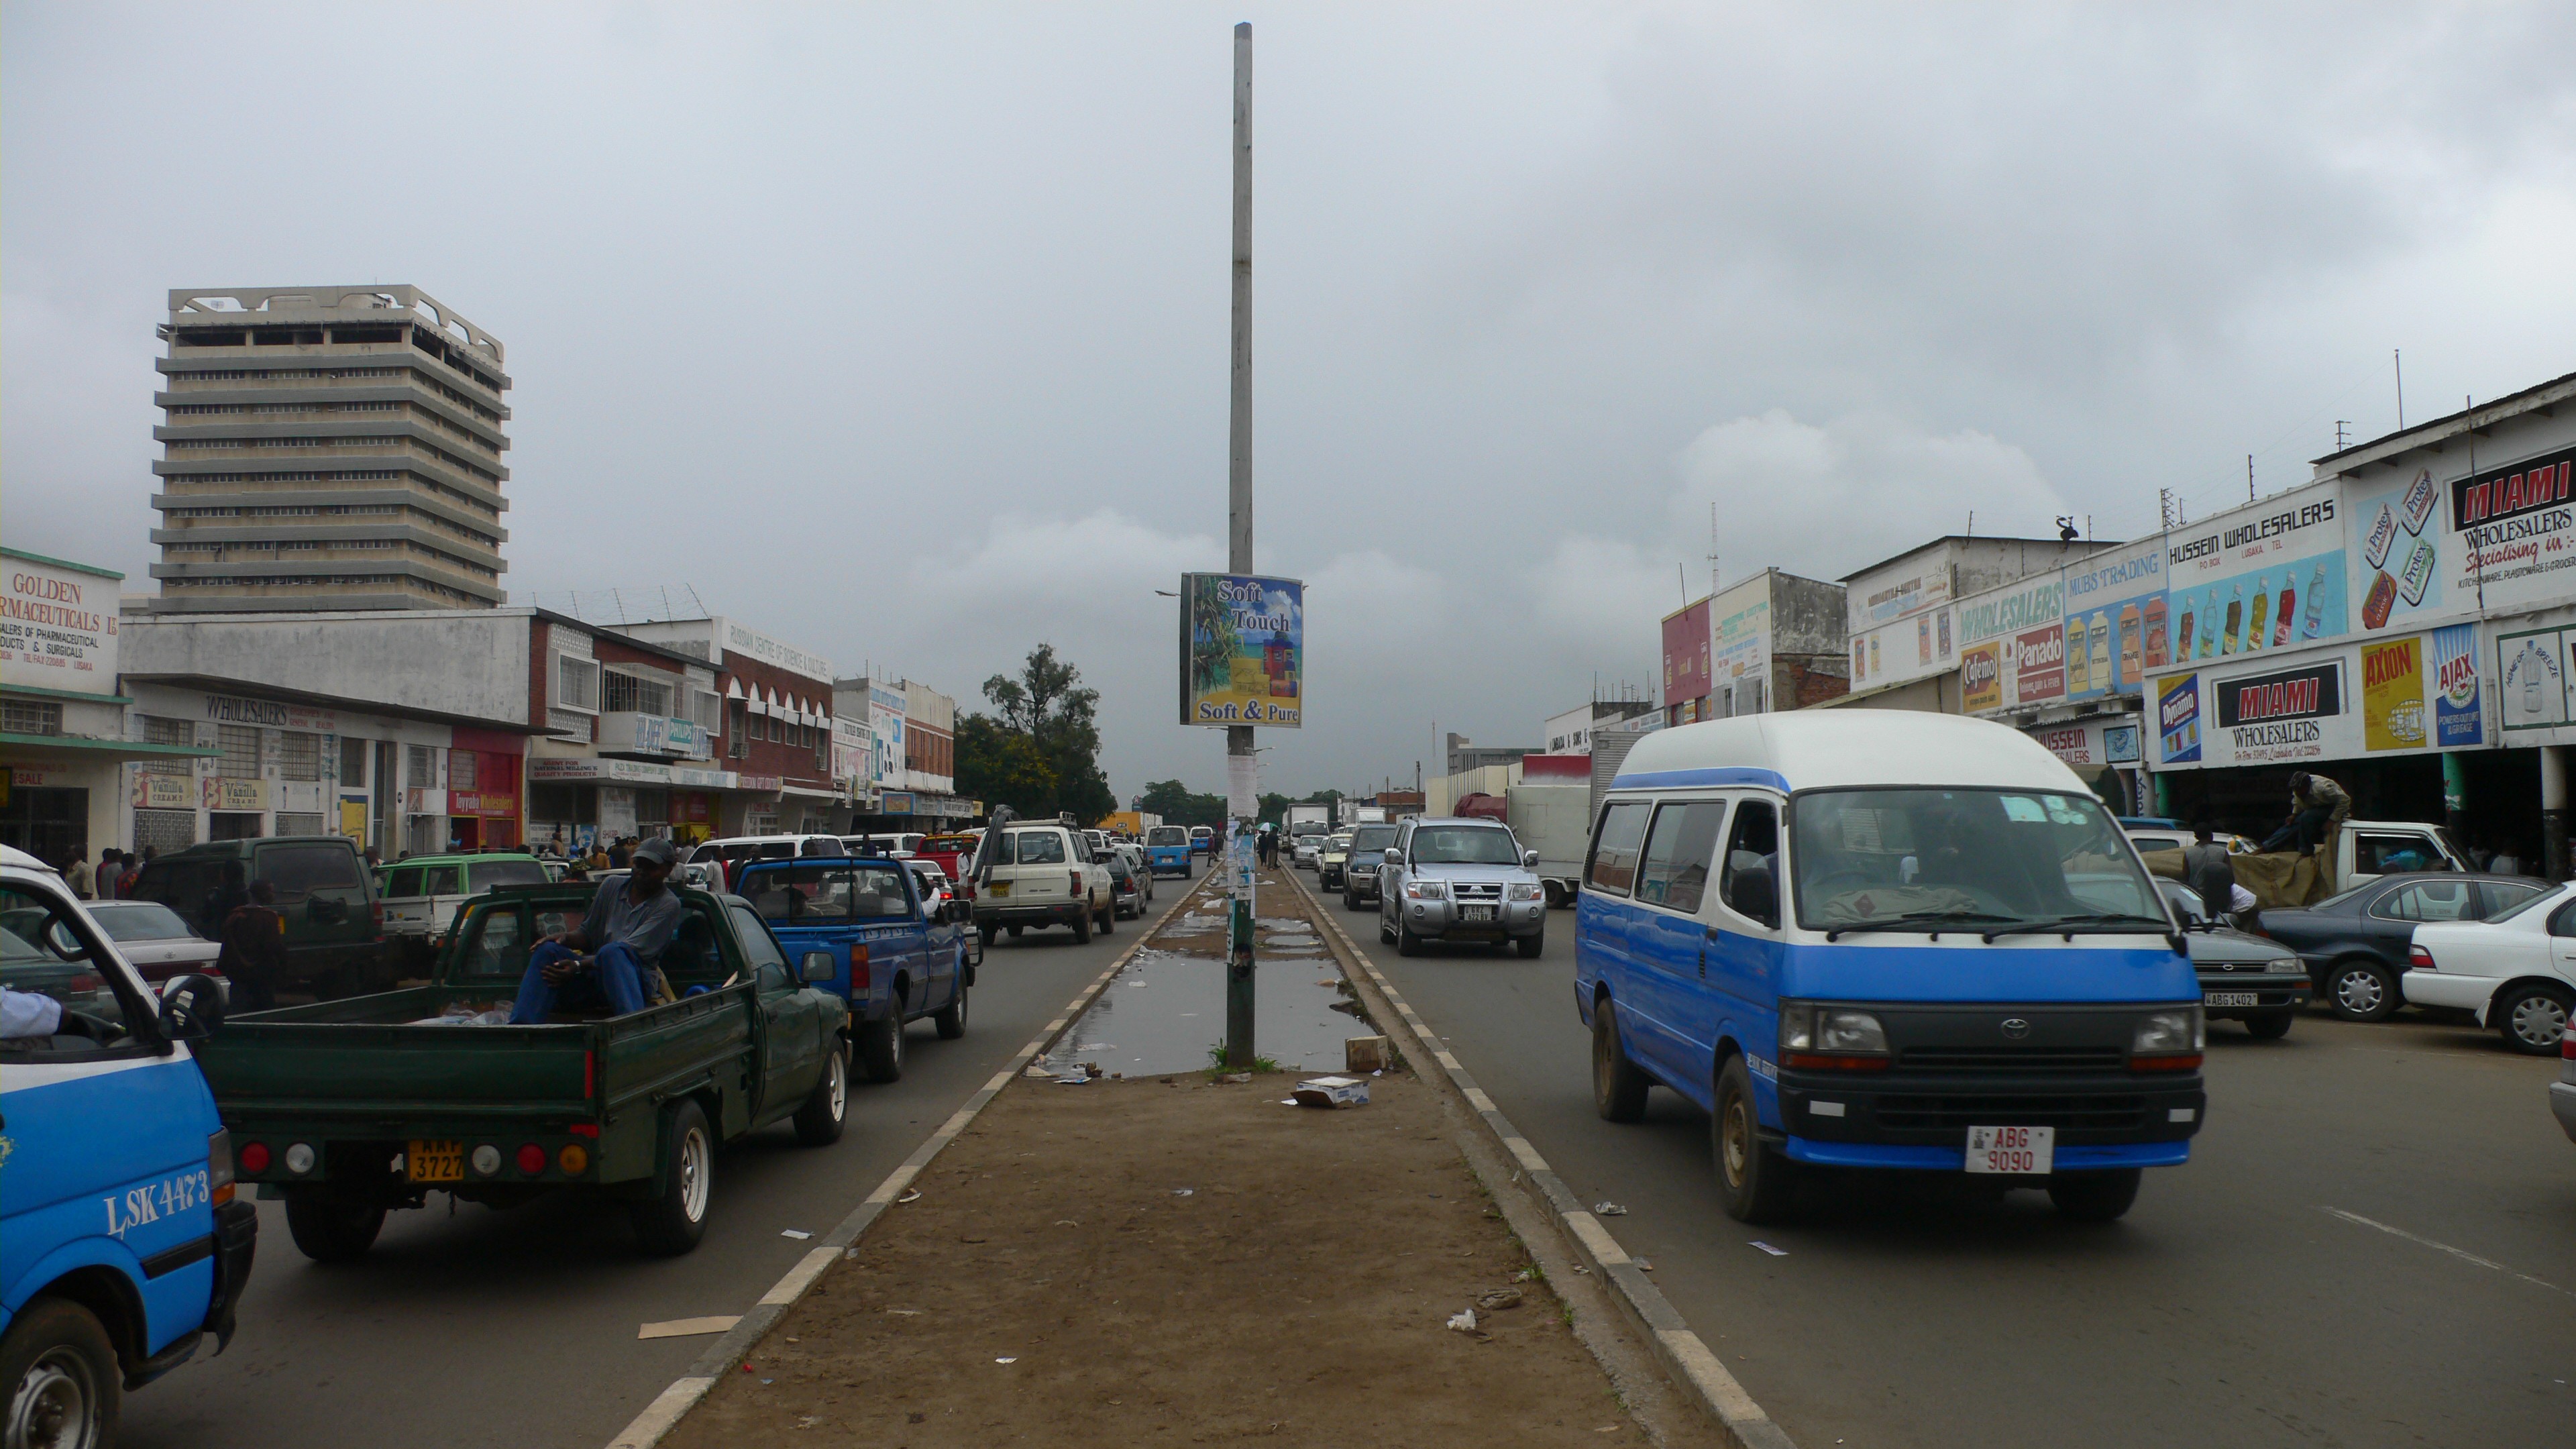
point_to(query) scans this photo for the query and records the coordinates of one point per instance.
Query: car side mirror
(1529, 857)
(1392, 856)
(816, 968)
(192, 1008)
(1753, 894)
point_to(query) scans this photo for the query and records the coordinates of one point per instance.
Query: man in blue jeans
(631, 921)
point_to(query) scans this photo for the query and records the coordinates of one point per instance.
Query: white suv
(1044, 875)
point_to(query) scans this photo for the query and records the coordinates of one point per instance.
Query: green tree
(1274, 808)
(1002, 766)
(1179, 805)
(1048, 705)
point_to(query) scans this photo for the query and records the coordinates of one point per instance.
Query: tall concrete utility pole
(1242, 766)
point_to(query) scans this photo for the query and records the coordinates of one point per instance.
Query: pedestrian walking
(254, 942)
(2207, 870)
(104, 882)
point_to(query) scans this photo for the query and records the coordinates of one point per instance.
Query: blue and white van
(121, 1242)
(1885, 940)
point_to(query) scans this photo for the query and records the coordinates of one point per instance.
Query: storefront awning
(83, 749)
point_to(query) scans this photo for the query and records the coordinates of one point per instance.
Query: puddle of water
(1164, 1010)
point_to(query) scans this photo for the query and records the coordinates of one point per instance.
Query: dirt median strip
(1683, 1353)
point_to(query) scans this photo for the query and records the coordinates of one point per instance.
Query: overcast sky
(901, 331)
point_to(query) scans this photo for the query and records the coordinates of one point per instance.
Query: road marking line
(1743, 1420)
(2461, 1253)
(684, 1394)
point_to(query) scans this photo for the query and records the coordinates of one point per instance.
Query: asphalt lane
(2247, 1299)
(518, 1327)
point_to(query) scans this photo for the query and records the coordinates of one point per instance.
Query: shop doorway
(48, 823)
(231, 825)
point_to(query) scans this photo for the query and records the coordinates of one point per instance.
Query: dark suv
(334, 941)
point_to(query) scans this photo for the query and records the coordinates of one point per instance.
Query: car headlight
(1530, 892)
(2168, 1033)
(1426, 890)
(1832, 1037)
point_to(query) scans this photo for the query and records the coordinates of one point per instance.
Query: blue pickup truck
(1167, 850)
(122, 1241)
(898, 958)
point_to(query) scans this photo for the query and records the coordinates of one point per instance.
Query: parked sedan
(2517, 972)
(2242, 977)
(1126, 890)
(160, 945)
(2355, 944)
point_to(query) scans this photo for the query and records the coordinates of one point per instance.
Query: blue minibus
(122, 1244)
(1882, 939)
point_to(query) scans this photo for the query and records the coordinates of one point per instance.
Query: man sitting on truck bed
(2318, 809)
(630, 923)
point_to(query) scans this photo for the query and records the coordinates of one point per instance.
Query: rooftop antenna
(2397, 355)
(1712, 548)
(2249, 477)
(2340, 425)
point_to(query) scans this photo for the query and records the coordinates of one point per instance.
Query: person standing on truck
(2318, 809)
(630, 922)
(2206, 869)
(254, 940)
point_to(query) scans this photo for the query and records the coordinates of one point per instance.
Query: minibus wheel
(1756, 1180)
(1618, 1088)
(2094, 1197)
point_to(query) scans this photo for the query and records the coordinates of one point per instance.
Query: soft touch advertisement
(2266, 576)
(1243, 650)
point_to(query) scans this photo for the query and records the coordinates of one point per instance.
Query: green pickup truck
(349, 1108)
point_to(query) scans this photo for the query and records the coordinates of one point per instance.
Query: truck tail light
(219, 1168)
(2567, 1044)
(532, 1158)
(589, 1073)
(858, 967)
(254, 1158)
(1074, 879)
(2419, 959)
(376, 912)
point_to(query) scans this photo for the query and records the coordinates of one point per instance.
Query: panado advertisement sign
(2039, 665)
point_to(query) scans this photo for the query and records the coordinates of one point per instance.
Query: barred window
(420, 767)
(576, 682)
(160, 731)
(30, 717)
(462, 767)
(299, 755)
(239, 744)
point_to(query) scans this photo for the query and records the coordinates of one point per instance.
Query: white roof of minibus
(1830, 749)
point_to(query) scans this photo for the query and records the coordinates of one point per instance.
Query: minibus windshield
(1991, 861)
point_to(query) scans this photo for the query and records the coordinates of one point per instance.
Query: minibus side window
(1679, 850)
(1613, 867)
(1750, 885)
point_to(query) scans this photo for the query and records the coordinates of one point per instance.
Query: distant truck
(1359, 813)
(1318, 817)
(1131, 823)
(1555, 819)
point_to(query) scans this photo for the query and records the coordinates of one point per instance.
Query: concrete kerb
(1681, 1350)
(672, 1404)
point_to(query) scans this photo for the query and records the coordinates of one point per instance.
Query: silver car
(1454, 879)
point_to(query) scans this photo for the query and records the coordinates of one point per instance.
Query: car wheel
(1350, 900)
(59, 1373)
(1618, 1087)
(1406, 943)
(1109, 921)
(819, 1121)
(988, 933)
(672, 1223)
(329, 1228)
(1531, 946)
(2093, 1197)
(2532, 1019)
(1015, 932)
(2271, 1025)
(951, 1019)
(1755, 1181)
(2361, 989)
(1082, 929)
(1385, 932)
(880, 1048)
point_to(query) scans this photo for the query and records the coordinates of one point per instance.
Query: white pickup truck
(420, 896)
(2365, 850)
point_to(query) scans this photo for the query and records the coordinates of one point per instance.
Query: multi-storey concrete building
(328, 448)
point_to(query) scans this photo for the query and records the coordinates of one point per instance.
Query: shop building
(900, 751)
(773, 728)
(630, 741)
(1770, 642)
(65, 751)
(1571, 733)
(402, 729)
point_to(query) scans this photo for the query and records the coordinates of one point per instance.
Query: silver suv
(1454, 879)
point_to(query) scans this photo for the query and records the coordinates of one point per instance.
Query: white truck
(1355, 813)
(1305, 829)
(1554, 819)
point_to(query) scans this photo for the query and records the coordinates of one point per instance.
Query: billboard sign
(2266, 576)
(1686, 639)
(1243, 650)
(2531, 670)
(2178, 718)
(2039, 665)
(2012, 609)
(2392, 695)
(2459, 711)
(1981, 678)
(2402, 544)
(2116, 634)
(2518, 522)
(1741, 625)
(58, 625)
(2280, 716)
